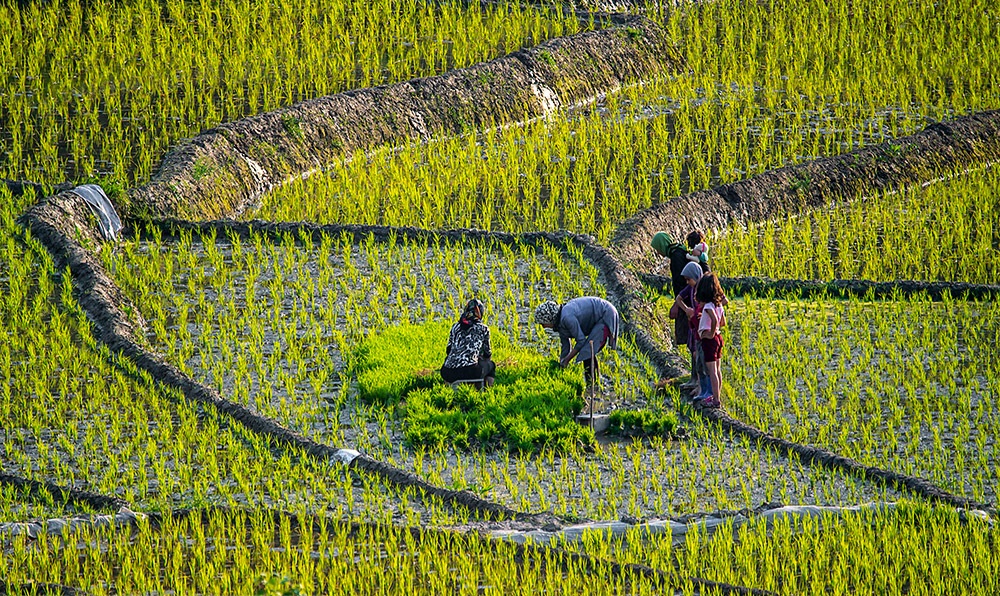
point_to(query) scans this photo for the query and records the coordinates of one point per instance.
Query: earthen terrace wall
(225, 170)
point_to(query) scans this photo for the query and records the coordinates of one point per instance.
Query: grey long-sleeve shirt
(580, 316)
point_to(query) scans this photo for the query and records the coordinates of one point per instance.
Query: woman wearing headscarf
(686, 311)
(676, 253)
(592, 322)
(469, 354)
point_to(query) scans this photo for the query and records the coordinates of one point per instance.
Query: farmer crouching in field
(591, 322)
(469, 352)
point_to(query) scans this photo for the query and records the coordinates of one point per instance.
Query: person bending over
(469, 354)
(592, 322)
(675, 256)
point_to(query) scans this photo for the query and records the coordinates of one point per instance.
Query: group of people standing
(586, 325)
(698, 311)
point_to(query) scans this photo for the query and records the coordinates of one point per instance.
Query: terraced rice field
(272, 322)
(946, 231)
(769, 85)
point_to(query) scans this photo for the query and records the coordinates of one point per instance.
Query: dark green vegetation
(644, 422)
(532, 405)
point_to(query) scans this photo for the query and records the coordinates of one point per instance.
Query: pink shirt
(706, 320)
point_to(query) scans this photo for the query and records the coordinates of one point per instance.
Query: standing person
(676, 254)
(712, 320)
(699, 250)
(688, 310)
(592, 322)
(469, 354)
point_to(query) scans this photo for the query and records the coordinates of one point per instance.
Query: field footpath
(60, 223)
(842, 288)
(624, 291)
(939, 150)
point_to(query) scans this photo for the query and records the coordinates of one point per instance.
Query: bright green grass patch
(532, 404)
(644, 422)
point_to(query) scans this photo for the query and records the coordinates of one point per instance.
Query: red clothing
(693, 325)
(712, 346)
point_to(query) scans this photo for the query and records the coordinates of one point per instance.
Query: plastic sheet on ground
(124, 517)
(99, 203)
(707, 525)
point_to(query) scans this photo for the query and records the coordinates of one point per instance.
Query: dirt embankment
(65, 227)
(937, 150)
(225, 170)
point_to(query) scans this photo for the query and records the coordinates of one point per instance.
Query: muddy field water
(275, 332)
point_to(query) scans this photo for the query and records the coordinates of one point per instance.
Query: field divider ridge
(540, 555)
(226, 170)
(524, 552)
(63, 494)
(942, 149)
(841, 288)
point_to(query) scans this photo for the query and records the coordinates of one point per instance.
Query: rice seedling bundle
(947, 231)
(105, 88)
(532, 404)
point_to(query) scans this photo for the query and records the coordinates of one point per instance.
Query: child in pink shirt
(713, 319)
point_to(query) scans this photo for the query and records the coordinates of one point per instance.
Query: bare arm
(683, 306)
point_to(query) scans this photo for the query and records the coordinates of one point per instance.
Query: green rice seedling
(910, 549)
(76, 416)
(906, 384)
(532, 403)
(326, 308)
(132, 79)
(946, 231)
(767, 86)
(644, 422)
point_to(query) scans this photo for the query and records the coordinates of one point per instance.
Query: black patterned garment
(467, 346)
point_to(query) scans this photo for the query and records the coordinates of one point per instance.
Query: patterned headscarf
(546, 313)
(473, 312)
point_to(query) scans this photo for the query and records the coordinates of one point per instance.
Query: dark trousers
(591, 370)
(481, 370)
